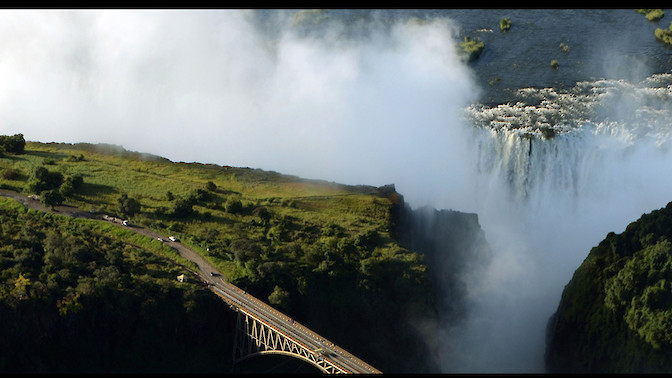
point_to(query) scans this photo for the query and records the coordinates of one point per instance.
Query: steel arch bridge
(257, 334)
(254, 337)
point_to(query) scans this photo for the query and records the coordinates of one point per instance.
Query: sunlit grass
(110, 171)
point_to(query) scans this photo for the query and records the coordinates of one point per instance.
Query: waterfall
(556, 170)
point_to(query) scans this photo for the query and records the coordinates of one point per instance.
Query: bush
(182, 208)
(554, 63)
(234, 206)
(664, 35)
(472, 47)
(504, 24)
(128, 206)
(43, 179)
(11, 174)
(13, 144)
(652, 14)
(71, 185)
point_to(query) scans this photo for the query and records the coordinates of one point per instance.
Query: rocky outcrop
(452, 242)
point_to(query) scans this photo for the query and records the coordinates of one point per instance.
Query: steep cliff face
(452, 242)
(615, 315)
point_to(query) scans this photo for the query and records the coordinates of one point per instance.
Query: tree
(128, 206)
(210, 186)
(13, 144)
(233, 205)
(263, 214)
(43, 179)
(182, 208)
(279, 297)
(51, 198)
(71, 185)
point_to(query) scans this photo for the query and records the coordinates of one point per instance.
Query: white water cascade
(557, 171)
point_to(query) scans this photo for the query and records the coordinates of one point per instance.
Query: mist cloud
(378, 106)
(207, 86)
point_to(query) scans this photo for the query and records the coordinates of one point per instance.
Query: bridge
(260, 330)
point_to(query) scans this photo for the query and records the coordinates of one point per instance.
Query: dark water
(603, 44)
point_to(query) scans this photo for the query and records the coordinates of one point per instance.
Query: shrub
(234, 206)
(43, 180)
(128, 206)
(11, 174)
(504, 24)
(74, 158)
(554, 63)
(472, 47)
(182, 208)
(652, 14)
(13, 144)
(664, 35)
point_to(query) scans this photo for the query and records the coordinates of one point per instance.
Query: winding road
(217, 283)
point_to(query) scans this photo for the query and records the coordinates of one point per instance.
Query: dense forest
(81, 295)
(615, 315)
(74, 299)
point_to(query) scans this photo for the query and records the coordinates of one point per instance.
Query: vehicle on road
(172, 238)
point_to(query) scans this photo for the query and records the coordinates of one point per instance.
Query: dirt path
(32, 203)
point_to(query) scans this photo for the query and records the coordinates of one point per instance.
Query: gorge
(548, 160)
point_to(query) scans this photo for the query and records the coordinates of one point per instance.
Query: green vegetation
(13, 144)
(472, 48)
(323, 253)
(505, 24)
(664, 35)
(564, 47)
(554, 64)
(651, 14)
(615, 315)
(80, 296)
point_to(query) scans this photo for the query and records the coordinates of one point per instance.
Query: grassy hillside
(321, 252)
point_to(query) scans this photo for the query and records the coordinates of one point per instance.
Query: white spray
(383, 108)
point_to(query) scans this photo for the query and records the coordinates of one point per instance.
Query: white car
(172, 238)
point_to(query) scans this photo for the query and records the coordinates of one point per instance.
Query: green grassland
(109, 171)
(323, 253)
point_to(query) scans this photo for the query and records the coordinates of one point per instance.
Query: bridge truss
(254, 337)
